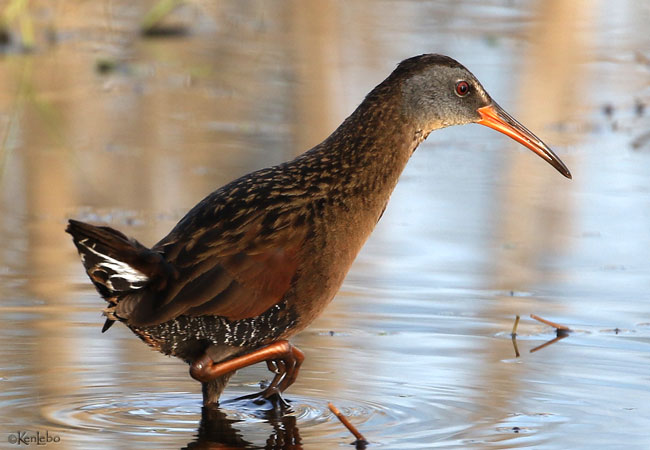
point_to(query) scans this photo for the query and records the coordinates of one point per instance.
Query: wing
(235, 272)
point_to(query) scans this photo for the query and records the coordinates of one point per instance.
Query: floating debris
(639, 108)
(104, 66)
(608, 109)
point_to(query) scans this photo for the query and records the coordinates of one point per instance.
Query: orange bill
(495, 117)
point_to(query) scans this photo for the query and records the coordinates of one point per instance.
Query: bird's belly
(328, 259)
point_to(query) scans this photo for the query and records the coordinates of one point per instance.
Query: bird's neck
(347, 181)
(363, 158)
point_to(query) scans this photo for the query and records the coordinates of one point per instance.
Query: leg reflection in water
(218, 431)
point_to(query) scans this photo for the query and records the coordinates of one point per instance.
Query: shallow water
(416, 348)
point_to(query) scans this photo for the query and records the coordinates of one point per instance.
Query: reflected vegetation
(101, 123)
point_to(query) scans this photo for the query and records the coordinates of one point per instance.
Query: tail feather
(116, 264)
(109, 323)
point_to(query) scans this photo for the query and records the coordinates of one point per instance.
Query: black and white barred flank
(184, 335)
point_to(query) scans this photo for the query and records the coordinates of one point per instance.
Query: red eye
(462, 88)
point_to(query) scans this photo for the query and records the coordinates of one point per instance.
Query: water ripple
(177, 417)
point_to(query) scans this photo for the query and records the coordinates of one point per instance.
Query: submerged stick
(344, 420)
(557, 326)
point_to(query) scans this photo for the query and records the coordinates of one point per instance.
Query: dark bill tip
(495, 117)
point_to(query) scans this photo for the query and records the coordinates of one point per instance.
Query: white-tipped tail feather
(116, 264)
(115, 275)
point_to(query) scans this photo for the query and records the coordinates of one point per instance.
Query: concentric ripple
(177, 419)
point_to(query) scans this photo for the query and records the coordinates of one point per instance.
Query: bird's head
(438, 92)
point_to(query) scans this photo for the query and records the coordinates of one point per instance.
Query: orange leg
(281, 358)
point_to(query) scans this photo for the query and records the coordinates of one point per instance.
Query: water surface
(101, 124)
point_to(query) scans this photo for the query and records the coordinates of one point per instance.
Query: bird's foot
(285, 367)
(281, 358)
(273, 402)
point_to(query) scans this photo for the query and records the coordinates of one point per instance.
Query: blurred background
(128, 113)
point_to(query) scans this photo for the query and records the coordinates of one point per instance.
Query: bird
(257, 260)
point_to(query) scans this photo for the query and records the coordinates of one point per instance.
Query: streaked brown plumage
(257, 260)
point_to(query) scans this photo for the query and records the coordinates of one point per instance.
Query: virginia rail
(257, 260)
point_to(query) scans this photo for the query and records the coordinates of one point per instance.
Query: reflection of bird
(258, 259)
(218, 431)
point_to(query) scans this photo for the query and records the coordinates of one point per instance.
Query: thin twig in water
(514, 327)
(557, 326)
(513, 335)
(361, 441)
